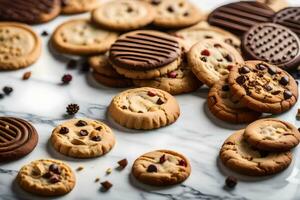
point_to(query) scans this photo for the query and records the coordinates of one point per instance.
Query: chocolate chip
(228, 58)
(225, 88)
(268, 87)
(284, 80)
(152, 168)
(261, 66)
(186, 14)
(220, 60)
(241, 80)
(99, 128)
(44, 33)
(204, 59)
(170, 9)
(208, 37)
(231, 181)
(272, 70)
(155, 2)
(129, 9)
(124, 107)
(123, 163)
(160, 101)
(276, 92)
(81, 123)
(47, 175)
(83, 132)
(263, 154)
(54, 168)
(96, 138)
(244, 70)
(182, 163)
(64, 130)
(217, 45)
(287, 94)
(106, 185)
(54, 179)
(162, 159)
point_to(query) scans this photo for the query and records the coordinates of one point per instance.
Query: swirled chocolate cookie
(272, 43)
(144, 50)
(17, 138)
(29, 11)
(239, 17)
(263, 87)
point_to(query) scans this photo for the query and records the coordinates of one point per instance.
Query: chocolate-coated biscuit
(272, 43)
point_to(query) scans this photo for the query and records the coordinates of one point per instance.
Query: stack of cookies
(263, 148)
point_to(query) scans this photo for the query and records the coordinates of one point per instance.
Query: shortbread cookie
(46, 177)
(151, 73)
(123, 15)
(272, 135)
(211, 59)
(203, 31)
(144, 50)
(161, 168)
(19, 46)
(221, 104)
(29, 11)
(144, 108)
(263, 87)
(78, 6)
(181, 80)
(239, 156)
(176, 14)
(112, 82)
(83, 138)
(81, 37)
(276, 5)
(17, 138)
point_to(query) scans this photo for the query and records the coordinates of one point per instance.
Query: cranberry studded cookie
(83, 138)
(46, 177)
(224, 107)
(78, 6)
(161, 168)
(263, 87)
(272, 135)
(239, 156)
(211, 59)
(19, 46)
(81, 37)
(123, 15)
(144, 108)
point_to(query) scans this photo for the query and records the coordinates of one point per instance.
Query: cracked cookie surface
(144, 108)
(83, 138)
(161, 168)
(46, 177)
(272, 135)
(239, 156)
(263, 87)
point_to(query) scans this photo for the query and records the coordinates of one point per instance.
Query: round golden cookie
(263, 87)
(276, 5)
(176, 14)
(144, 108)
(123, 15)
(239, 156)
(81, 37)
(46, 177)
(161, 168)
(223, 106)
(19, 46)
(179, 81)
(78, 6)
(211, 59)
(83, 138)
(272, 135)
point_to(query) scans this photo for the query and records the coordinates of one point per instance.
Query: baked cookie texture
(46, 177)
(211, 59)
(83, 138)
(223, 106)
(123, 15)
(263, 87)
(144, 108)
(239, 156)
(272, 135)
(81, 37)
(161, 168)
(20, 46)
(78, 6)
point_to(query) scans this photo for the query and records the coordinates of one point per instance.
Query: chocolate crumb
(80, 168)
(231, 181)
(26, 75)
(106, 185)
(123, 163)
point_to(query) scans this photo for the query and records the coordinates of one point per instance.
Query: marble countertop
(196, 134)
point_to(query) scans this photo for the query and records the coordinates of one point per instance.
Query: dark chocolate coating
(289, 17)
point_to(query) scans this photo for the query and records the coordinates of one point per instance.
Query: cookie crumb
(80, 168)
(106, 185)
(97, 179)
(26, 75)
(231, 181)
(108, 171)
(123, 163)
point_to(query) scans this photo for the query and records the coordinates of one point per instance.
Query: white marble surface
(196, 134)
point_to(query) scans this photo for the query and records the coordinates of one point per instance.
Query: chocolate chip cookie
(144, 108)
(211, 59)
(263, 87)
(83, 138)
(46, 177)
(272, 135)
(161, 168)
(239, 156)
(224, 107)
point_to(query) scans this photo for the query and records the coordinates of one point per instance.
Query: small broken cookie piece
(161, 168)
(239, 156)
(263, 87)
(83, 138)
(46, 177)
(272, 135)
(144, 108)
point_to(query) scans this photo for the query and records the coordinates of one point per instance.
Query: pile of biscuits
(263, 148)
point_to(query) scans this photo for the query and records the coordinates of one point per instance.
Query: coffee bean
(241, 80)
(81, 123)
(244, 70)
(152, 168)
(284, 80)
(287, 94)
(83, 132)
